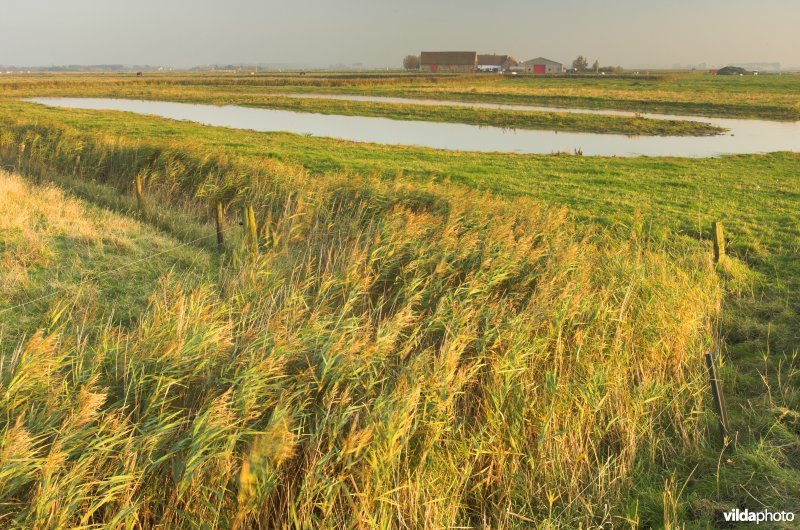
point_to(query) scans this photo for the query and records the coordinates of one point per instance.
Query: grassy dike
(399, 353)
(606, 375)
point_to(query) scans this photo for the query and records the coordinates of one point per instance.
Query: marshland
(414, 338)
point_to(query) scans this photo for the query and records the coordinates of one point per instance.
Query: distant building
(540, 65)
(448, 61)
(495, 63)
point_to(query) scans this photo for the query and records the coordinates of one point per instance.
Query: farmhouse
(448, 61)
(495, 63)
(540, 65)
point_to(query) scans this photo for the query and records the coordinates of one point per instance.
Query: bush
(732, 70)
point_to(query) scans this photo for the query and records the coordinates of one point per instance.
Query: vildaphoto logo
(764, 516)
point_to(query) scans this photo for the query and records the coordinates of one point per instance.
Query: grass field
(770, 97)
(426, 338)
(774, 97)
(227, 95)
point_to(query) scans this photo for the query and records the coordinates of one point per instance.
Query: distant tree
(611, 70)
(732, 70)
(411, 62)
(596, 66)
(580, 63)
(509, 62)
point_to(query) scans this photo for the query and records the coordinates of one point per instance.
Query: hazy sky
(378, 32)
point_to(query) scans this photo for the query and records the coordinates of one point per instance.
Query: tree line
(581, 64)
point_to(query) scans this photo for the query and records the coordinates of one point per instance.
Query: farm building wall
(447, 68)
(447, 61)
(543, 66)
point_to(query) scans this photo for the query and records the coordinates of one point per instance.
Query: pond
(743, 136)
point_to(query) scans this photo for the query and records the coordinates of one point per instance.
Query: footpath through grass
(62, 255)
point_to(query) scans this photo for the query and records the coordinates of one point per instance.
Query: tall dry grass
(397, 355)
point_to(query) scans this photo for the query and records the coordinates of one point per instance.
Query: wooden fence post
(719, 241)
(220, 218)
(139, 191)
(718, 397)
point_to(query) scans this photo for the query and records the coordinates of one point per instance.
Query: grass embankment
(557, 121)
(400, 354)
(671, 192)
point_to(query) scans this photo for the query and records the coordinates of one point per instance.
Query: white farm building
(540, 65)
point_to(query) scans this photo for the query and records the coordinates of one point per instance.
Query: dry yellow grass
(397, 356)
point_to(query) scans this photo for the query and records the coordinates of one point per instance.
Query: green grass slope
(60, 254)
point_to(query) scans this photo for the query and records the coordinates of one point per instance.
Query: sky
(183, 33)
